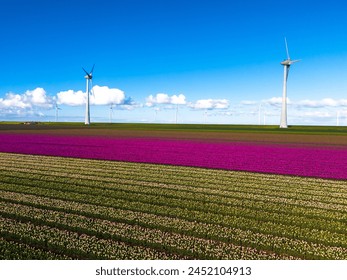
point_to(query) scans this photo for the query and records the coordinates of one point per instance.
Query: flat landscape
(136, 191)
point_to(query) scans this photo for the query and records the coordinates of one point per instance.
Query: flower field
(77, 208)
(287, 159)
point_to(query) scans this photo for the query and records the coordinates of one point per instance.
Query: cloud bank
(102, 95)
(326, 102)
(305, 103)
(163, 98)
(27, 100)
(209, 104)
(28, 103)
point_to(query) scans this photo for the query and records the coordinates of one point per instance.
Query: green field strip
(263, 210)
(173, 187)
(226, 219)
(257, 203)
(307, 215)
(169, 170)
(288, 190)
(331, 215)
(115, 191)
(74, 243)
(237, 236)
(259, 213)
(188, 245)
(225, 179)
(183, 128)
(328, 224)
(135, 235)
(194, 186)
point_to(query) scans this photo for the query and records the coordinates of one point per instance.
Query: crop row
(75, 243)
(51, 209)
(289, 192)
(236, 200)
(232, 210)
(206, 217)
(11, 250)
(277, 227)
(236, 189)
(247, 199)
(136, 235)
(211, 179)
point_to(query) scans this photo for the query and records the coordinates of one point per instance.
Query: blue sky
(219, 60)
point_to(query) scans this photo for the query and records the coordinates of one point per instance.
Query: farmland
(76, 207)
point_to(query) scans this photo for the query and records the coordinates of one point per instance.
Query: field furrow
(279, 245)
(197, 179)
(109, 210)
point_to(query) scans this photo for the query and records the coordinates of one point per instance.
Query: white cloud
(106, 96)
(163, 98)
(102, 95)
(180, 99)
(13, 101)
(71, 98)
(326, 102)
(209, 104)
(38, 97)
(276, 101)
(28, 100)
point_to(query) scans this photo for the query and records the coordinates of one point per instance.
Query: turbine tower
(286, 63)
(111, 112)
(88, 77)
(57, 108)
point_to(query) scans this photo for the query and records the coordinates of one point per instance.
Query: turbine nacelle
(289, 62)
(89, 75)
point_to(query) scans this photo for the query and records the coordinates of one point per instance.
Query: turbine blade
(91, 72)
(293, 61)
(285, 40)
(85, 71)
(91, 88)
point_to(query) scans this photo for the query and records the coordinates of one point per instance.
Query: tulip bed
(74, 208)
(302, 160)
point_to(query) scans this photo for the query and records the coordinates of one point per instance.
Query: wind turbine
(111, 112)
(259, 111)
(286, 63)
(156, 110)
(88, 77)
(56, 112)
(176, 113)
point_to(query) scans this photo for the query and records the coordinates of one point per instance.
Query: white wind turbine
(89, 78)
(337, 118)
(286, 63)
(176, 113)
(57, 108)
(111, 112)
(156, 110)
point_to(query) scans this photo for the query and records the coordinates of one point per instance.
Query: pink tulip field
(311, 161)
